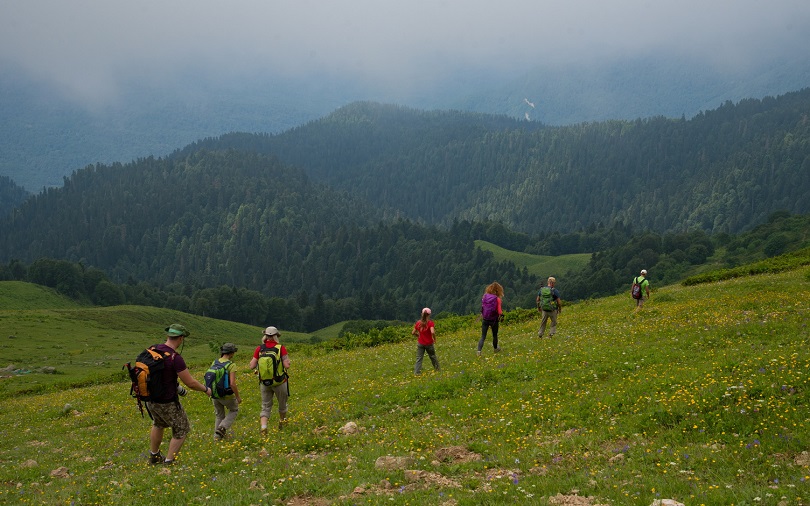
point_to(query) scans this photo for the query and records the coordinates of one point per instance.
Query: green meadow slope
(702, 397)
(539, 265)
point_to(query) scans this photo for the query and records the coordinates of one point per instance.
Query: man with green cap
(229, 400)
(167, 411)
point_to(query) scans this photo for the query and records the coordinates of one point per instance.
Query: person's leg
(174, 447)
(155, 438)
(431, 351)
(219, 413)
(495, 337)
(267, 405)
(484, 327)
(553, 328)
(281, 395)
(180, 429)
(543, 324)
(420, 353)
(233, 411)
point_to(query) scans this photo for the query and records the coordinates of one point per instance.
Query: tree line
(669, 258)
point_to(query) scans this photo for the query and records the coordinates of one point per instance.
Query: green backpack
(218, 379)
(271, 369)
(547, 299)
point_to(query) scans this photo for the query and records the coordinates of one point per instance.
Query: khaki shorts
(170, 414)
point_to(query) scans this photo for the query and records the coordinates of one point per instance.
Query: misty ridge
(47, 135)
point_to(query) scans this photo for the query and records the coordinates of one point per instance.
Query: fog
(88, 48)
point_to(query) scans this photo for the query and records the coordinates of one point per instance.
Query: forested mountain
(11, 195)
(45, 134)
(377, 206)
(245, 220)
(725, 170)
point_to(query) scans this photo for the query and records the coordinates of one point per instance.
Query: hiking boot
(478, 353)
(497, 350)
(220, 433)
(155, 458)
(168, 462)
(264, 431)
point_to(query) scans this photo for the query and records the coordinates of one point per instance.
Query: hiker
(231, 399)
(272, 361)
(425, 329)
(548, 303)
(491, 314)
(637, 290)
(167, 411)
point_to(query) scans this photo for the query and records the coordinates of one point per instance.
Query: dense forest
(725, 170)
(11, 195)
(372, 212)
(669, 258)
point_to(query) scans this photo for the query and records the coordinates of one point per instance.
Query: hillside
(541, 266)
(51, 345)
(725, 170)
(700, 398)
(242, 220)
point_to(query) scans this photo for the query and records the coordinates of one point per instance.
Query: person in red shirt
(426, 330)
(270, 388)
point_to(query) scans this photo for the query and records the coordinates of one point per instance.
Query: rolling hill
(700, 398)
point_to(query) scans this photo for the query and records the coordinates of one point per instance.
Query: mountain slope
(701, 398)
(723, 171)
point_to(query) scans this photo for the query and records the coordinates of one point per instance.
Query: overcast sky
(89, 47)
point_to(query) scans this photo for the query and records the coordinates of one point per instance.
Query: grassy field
(703, 397)
(539, 265)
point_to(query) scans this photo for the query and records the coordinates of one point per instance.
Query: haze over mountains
(46, 135)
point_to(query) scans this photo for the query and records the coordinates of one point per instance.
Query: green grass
(20, 295)
(539, 265)
(330, 332)
(702, 397)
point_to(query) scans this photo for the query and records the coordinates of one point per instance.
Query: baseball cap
(644, 271)
(426, 310)
(175, 329)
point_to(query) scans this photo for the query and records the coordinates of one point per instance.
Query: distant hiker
(640, 286)
(167, 411)
(491, 314)
(425, 329)
(548, 303)
(272, 361)
(221, 378)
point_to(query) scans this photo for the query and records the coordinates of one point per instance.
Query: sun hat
(175, 329)
(426, 310)
(228, 348)
(270, 332)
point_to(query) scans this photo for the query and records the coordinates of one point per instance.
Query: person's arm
(253, 362)
(285, 360)
(433, 333)
(192, 383)
(235, 389)
(414, 332)
(557, 300)
(537, 302)
(500, 310)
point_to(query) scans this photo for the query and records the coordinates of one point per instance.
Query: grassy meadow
(702, 397)
(539, 265)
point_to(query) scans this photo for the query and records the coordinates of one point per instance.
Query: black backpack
(147, 376)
